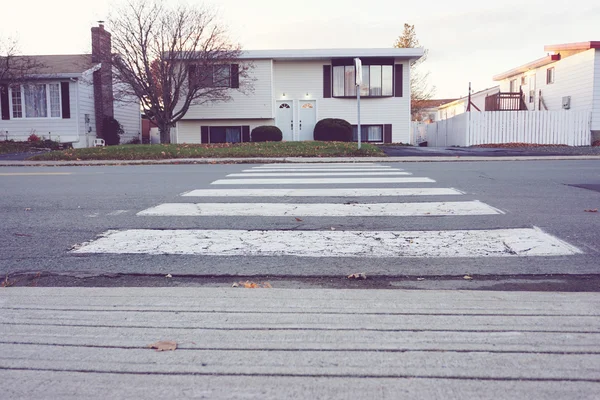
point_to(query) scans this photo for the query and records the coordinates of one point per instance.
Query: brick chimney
(103, 86)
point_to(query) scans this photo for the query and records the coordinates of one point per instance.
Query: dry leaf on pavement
(595, 210)
(468, 278)
(298, 219)
(163, 345)
(357, 276)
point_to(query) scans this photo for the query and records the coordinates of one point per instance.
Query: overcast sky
(468, 40)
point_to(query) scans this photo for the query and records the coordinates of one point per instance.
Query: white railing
(494, 127)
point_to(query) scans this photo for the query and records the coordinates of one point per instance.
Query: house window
(377, 81)
(40, 100)
(550, 75)
(513, 86)
(221, 75)
(225, 134)
(369, 133)
(523, 80)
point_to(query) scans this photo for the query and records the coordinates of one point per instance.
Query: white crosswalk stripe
(322, 210)
(325, 192)
(509, 242)
(292, 174)
(469, 243)
(318, 181)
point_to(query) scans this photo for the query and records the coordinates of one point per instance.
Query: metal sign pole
(358, 81)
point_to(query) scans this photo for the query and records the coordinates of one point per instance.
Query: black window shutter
(204, 134)
(326, 81)
(191, 75)
(4, 101)
(387, 133)
(398, 80)
(65, 100)
(235, 76)
(245, 133)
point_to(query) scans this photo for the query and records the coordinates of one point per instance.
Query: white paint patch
(335, 192)
(94, 215)
(117, 212)
(320, 169)
(322, 244)
(291, 174)
(318, 181)
(321, 210)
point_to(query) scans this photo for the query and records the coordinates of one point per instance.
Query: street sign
(358, 79)
(358, 70)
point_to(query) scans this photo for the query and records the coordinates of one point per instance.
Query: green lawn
(170, 151)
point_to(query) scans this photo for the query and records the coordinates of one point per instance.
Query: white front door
(285, 119)
(307, 119)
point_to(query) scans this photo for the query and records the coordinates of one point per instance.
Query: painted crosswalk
(322, 210)
(338, 182)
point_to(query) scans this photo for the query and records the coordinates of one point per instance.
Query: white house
(460, 106)
(67, 97)
(568, 78)
(294, 89)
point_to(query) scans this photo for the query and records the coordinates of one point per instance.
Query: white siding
(596, 93)
(257, 103)
(87, 129)
(298, 78)
(189, 131)
(127, 112)
(573, 76)
(61, 129)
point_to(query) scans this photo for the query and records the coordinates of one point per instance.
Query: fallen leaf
(163, 345)
(595, 210)
(168, 276)
(267, 285)
(360, 275)
(28, 209)
(332, 228)
(420, 279)
(235, 284)
(298, 219)
(468, 278)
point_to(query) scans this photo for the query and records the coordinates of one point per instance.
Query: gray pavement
(288, 344)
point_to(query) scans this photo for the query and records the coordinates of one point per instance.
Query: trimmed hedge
(333, 130)
(266, 133)
(111, 131)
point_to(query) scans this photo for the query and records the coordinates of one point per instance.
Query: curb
(315, 160)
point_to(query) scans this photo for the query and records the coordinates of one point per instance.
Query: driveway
(408, 151)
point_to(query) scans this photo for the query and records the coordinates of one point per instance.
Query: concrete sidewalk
(308, 160)
(290, 344)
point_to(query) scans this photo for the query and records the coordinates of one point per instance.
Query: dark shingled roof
(59, 64)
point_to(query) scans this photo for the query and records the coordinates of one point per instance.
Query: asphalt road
(46, 211)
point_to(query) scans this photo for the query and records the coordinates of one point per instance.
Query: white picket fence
(493, 127)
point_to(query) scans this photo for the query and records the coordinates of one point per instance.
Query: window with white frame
(36, 100)
(550, 75)
(377, 81)
(513, 86)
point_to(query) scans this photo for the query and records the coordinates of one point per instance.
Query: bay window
(36, 100)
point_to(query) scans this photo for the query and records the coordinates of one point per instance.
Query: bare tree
(171, 58)
(15, 68)
(420, 90)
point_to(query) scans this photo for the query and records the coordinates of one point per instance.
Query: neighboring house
(569, 78)
(428, 110)
(294, 89)
(67, 98)
(459, 106)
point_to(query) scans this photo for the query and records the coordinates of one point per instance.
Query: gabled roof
(60, 66)
(527, 67)
(433, 103)
(487, 91)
